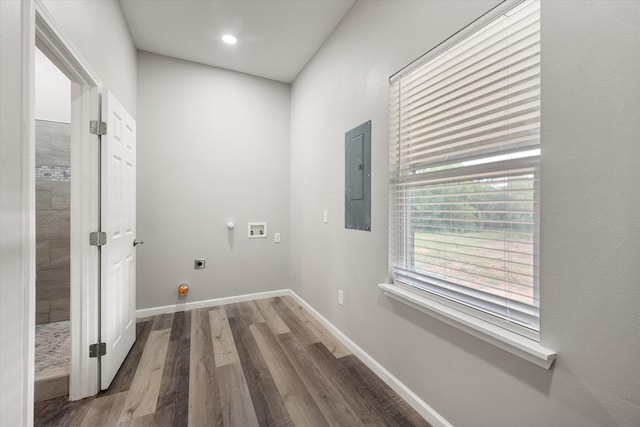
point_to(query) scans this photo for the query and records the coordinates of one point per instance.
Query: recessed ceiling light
(229, 39)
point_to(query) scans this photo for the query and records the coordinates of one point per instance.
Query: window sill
(511, 342)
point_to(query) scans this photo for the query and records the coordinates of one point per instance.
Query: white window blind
(464, 155)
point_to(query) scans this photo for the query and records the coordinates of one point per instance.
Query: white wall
(213, 147)
(53, 91)
(590, 233)
(100, 32)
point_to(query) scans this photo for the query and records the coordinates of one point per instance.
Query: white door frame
(17, 221)
(85, 199)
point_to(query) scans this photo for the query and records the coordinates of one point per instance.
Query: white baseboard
(398, 386)
(153, 311)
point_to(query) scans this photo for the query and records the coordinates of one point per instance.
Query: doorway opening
(53, 235)
(77, 201)
(101, 219)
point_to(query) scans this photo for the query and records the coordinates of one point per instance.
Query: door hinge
(97, 349)
(98, 238)
(97, 128)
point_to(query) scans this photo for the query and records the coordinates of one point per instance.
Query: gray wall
(590, 238)
(53, 208)
(213, 147)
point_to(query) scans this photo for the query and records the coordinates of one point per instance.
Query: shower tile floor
(53, 345)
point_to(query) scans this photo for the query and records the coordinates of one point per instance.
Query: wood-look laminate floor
(258, 363)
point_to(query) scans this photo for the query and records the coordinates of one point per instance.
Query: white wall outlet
(276, 237)
(340, 297)
(325, 216)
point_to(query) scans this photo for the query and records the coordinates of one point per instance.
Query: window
(464, 156)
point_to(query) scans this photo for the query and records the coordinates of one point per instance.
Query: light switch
(276, 237)
(325, 216)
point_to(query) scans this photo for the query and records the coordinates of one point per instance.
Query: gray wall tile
(53, 202)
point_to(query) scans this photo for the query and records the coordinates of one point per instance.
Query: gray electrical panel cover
(357, 191)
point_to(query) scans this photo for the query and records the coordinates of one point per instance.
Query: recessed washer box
(257, 230)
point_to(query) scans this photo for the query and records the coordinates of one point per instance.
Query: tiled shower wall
(53, 160)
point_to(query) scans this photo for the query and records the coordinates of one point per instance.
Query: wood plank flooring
(258, 363)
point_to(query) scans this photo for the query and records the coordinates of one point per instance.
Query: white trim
(29, 204)
(50, 38)
(427, 412)
(84, 299)
(511, 342)
(60, 49)
(17, 213)
(153, 311)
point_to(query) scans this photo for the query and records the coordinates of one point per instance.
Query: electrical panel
(357, 197)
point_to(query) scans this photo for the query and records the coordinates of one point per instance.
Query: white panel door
(118, 217)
